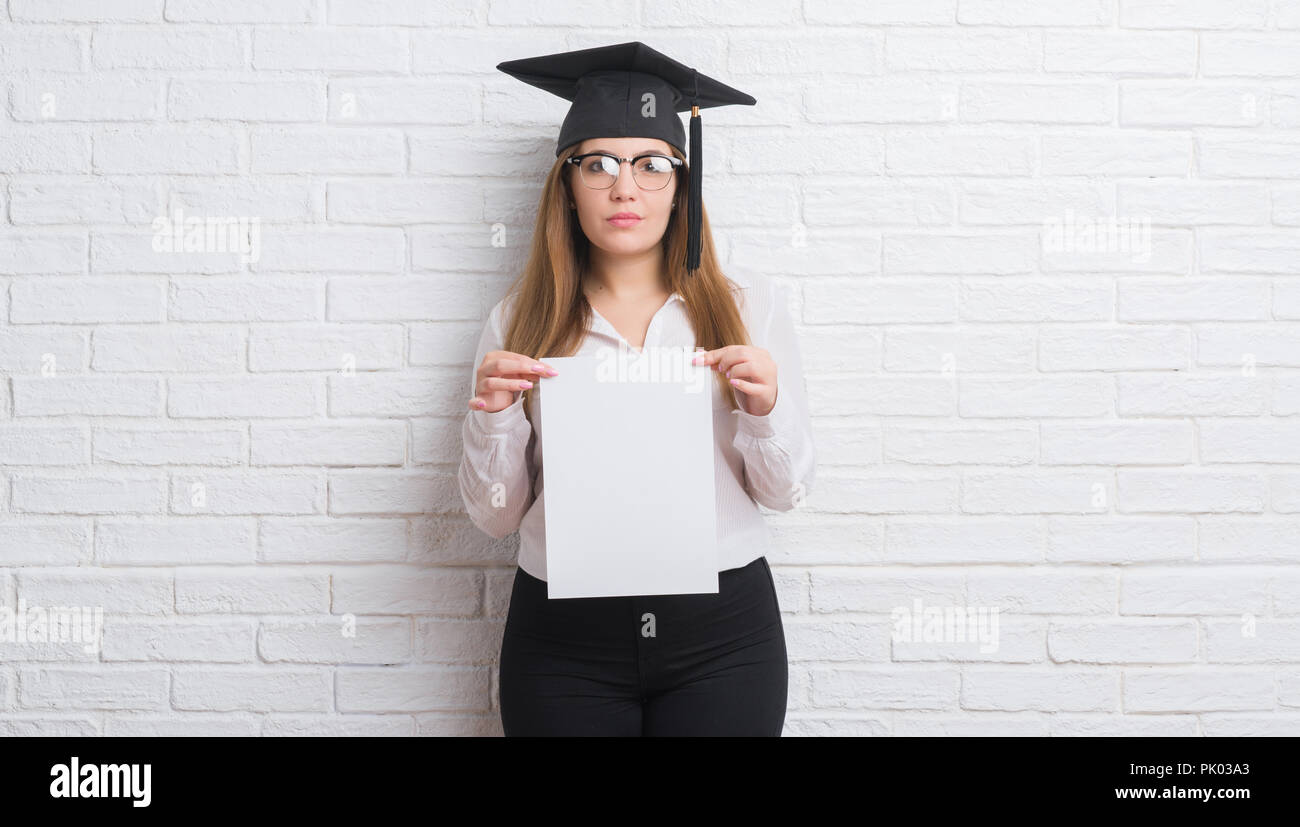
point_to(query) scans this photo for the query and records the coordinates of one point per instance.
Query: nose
(624, 185)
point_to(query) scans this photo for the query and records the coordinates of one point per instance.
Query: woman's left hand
(752, 372)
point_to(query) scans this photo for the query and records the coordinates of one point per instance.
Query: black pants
(680, 664)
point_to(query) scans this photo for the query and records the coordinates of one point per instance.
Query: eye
(654, 164)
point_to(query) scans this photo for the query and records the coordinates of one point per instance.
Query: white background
(1106, 450)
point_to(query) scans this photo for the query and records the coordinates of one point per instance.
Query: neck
(626, 276)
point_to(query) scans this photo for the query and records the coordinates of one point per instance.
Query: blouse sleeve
(778, 448)
(495, 478)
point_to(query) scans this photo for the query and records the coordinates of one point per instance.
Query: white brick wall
(241, 462)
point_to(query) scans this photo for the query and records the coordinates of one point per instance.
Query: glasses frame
(578, 159)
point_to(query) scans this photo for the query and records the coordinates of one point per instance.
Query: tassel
(695, 204)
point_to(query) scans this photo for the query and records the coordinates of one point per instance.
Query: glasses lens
(653, 172)
(599, 171)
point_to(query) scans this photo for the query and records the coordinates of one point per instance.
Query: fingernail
(525, 384)
(728, 374)
(553, 372)
(538, 368)
(735, 382)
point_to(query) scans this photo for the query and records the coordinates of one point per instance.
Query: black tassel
(695, 205)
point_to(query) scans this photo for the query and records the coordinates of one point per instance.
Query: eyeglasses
(599, 170)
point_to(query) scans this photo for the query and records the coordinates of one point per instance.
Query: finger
(534, 365)
(498, 383)
(711, 357)
(745, 386)
(734, 355)
(541, 368)
(514, 365)
(703, 357)
(478, 404)
(509, 365)
(744, 370)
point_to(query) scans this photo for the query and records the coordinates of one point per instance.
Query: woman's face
(596, 207)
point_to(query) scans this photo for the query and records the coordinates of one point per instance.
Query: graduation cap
(631, 91)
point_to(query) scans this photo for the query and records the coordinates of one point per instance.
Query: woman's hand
(501, 375)
(752, 372)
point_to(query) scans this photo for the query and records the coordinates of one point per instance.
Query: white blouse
(766, 460)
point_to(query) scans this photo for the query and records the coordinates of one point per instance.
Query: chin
(629, 250)
(626, 244)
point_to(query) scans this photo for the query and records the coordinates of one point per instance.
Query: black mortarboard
(608, 86)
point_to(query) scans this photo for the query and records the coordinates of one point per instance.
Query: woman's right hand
(501, 374)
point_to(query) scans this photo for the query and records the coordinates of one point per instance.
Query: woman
(610, 264)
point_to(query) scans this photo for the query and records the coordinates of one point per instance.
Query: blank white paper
(628, 474)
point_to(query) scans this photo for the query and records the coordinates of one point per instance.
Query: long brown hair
(551, 313)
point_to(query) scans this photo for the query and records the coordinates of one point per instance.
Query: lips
(624, 219)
